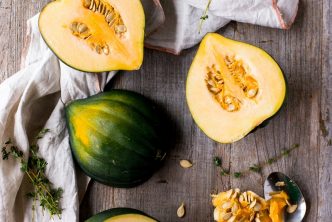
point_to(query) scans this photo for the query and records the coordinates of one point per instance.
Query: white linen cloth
(35, 97)
(181, 28)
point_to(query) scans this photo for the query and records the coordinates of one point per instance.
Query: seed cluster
(232, 205)
(216, 84)
(112, 16)
(82, 31)
(247, 83)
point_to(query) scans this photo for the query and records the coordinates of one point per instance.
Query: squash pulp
(232, 87)
(95, 35)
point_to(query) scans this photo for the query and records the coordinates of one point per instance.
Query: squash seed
(98, 9)
(86, 3)
(97, 3)
(274, 193)
(181, 211)
(291, 209)
(227, 216)
(103, 11)
(257, 207)
(98, 49)
(91, 5)
(257, 219)
(232, 219)
(186, 163)
(109, 17)
(106, 49)
(252, 93)
(94, 7)
(227, 205)
(280, 184)
(82, 28)
(112, 22)
(73, 27)
(120, 28)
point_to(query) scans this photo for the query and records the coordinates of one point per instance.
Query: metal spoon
(293, 191)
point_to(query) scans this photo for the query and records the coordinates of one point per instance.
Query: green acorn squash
(116, 137)
(121, 215)
(95, 35)
(233, 87)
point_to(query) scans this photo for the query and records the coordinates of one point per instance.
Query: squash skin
(135, 61)
(102, 216)
(265, 122)
(128, 148)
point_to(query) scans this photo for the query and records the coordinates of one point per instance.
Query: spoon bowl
(292, 190)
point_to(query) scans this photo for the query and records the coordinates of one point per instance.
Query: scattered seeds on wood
(186, 164)
(181, 211)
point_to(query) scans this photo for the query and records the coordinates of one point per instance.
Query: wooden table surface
(303, 53)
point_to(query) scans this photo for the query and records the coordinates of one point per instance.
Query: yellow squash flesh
(232, 87)
(130, 218)
(101, 47)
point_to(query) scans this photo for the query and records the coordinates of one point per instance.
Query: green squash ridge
(114, 181)
(99, 156)
(151, 130)
(106, 137)
(100, 159)
(129, 94)
(114, 168)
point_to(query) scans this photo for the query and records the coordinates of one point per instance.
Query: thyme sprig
(257, 168)
(34, 168)
(204, 16)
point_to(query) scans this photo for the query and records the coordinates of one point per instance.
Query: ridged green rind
(126, 131)
(100, 217)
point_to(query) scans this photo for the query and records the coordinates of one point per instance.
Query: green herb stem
(257, 168)
(204, 16)
(35, 168)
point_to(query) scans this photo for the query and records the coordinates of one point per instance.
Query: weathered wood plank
(325, 146)
(303, 53)
(299, 52)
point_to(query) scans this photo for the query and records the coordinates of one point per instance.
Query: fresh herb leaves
(237, 174)
(204, 16)
(257, 168)
(224, 172)
(34, 168)
(217, 161)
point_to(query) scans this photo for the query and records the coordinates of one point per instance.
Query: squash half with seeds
(233, 87)
(95, 35)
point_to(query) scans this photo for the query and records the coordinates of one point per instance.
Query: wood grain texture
(303, 53)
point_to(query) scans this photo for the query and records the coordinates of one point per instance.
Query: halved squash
(121, 215)
(232, 87)
(95, 35)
